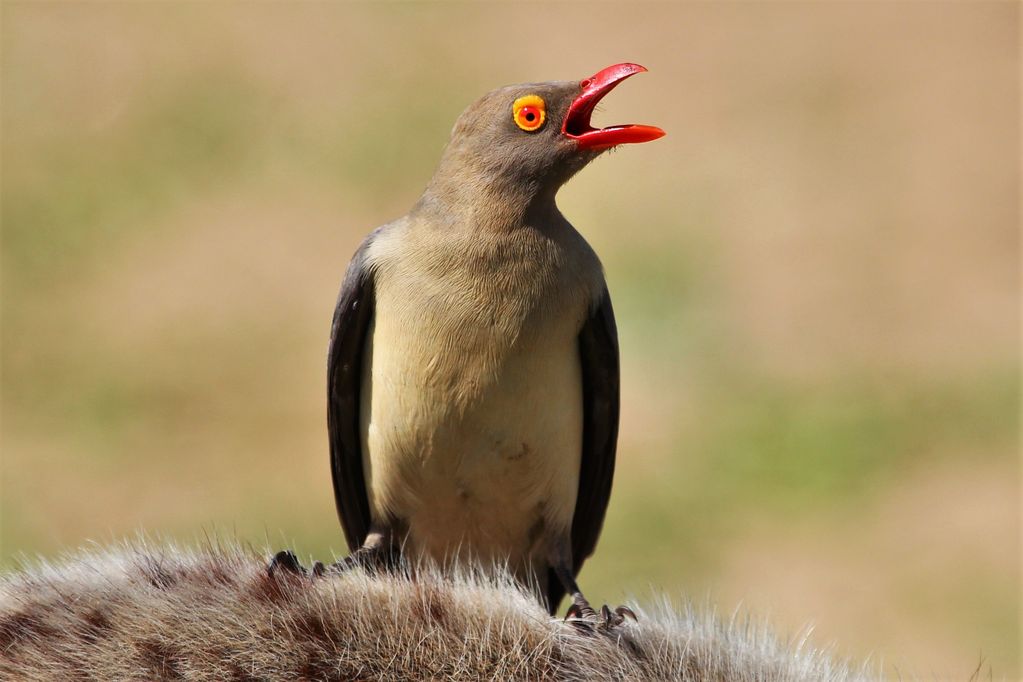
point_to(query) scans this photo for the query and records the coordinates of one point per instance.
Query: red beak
(577, 120)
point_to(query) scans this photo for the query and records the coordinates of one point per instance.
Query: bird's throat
(486, 201)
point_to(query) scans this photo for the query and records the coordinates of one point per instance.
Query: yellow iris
(529, 112)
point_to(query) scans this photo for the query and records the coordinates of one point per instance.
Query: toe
(625, 611)
(583, 627)
(285, 560)
(583, 618)
(609, 620)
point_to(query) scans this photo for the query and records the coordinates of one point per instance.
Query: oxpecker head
(535, 136)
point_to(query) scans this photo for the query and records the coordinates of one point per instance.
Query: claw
(623, 611)
(612, 619)
(577, 619)
(583, 618)
(287, 561)
(588, 621)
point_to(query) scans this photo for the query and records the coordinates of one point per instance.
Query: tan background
(816, 275)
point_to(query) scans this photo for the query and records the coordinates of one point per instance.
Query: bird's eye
(529, 113)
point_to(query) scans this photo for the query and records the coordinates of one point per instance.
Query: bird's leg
(580, 607)
(580, 613)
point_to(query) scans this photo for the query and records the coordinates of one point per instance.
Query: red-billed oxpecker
(473, 365)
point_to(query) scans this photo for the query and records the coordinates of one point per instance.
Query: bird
(473, 363)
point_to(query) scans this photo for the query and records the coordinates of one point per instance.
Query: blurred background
(816, 276)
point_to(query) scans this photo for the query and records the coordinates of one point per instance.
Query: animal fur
(164, 613)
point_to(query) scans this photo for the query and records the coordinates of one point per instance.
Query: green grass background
(816, 275)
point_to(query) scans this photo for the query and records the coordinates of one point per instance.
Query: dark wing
(344, 383)
(598, 352)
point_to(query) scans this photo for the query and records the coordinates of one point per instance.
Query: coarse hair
(139, 610)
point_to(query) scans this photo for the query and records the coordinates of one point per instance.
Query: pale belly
(473, 446)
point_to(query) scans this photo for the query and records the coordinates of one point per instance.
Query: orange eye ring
(529, 113)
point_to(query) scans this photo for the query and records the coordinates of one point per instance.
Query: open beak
(577, 120)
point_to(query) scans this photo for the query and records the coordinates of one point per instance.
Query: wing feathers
(598, 353)
(344, 382)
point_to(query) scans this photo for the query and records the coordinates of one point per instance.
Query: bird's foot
(582, 616)
(286, 561)
(370, 558)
